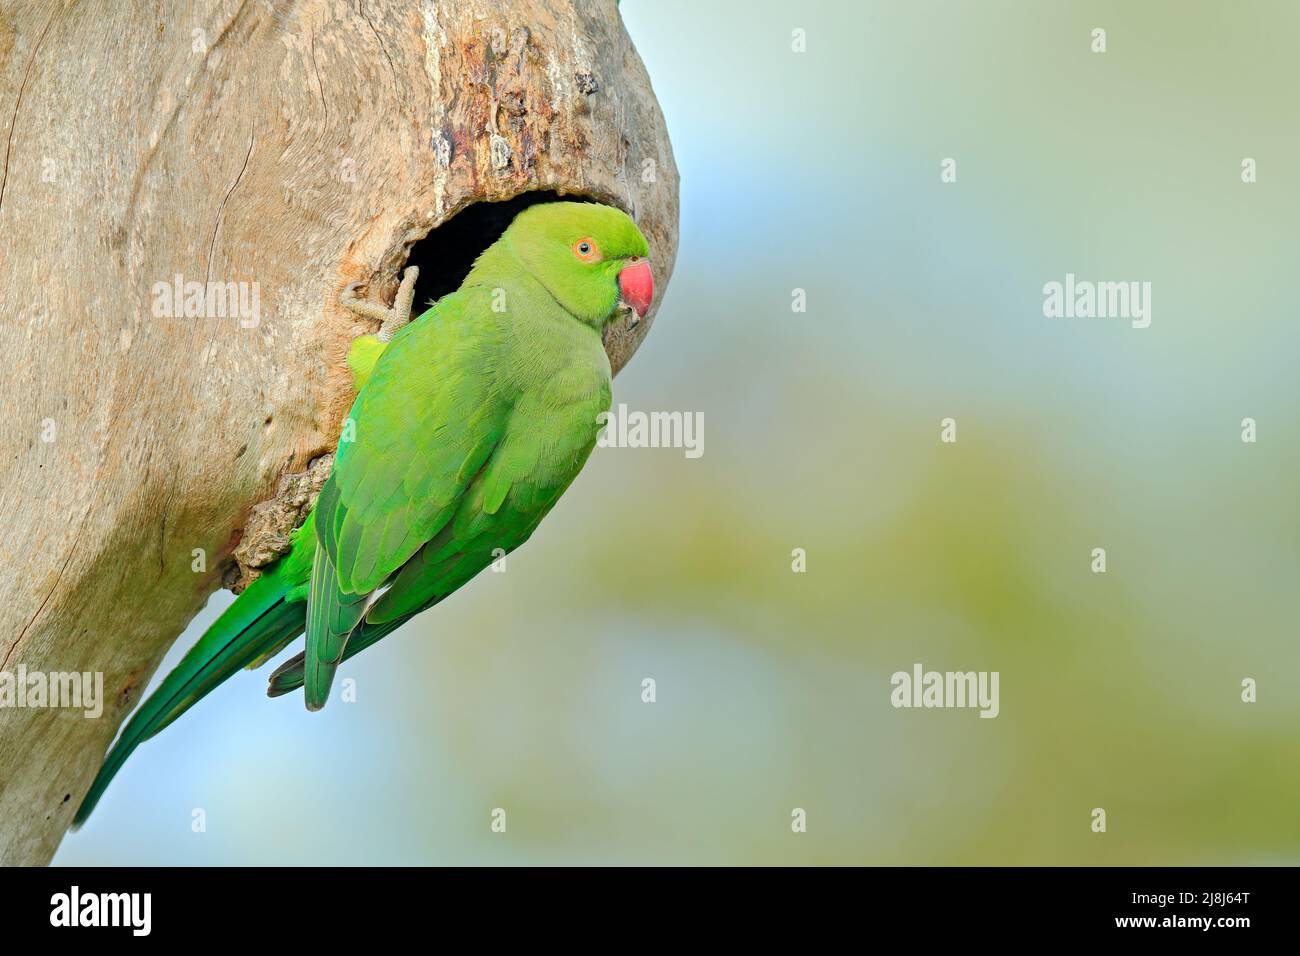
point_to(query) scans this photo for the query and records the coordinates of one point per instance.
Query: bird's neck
(495, 267)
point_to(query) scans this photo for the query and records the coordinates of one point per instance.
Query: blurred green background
(821, 171)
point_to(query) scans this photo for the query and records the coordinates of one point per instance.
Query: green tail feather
(332, 616)
(290, 675)
(257, 624)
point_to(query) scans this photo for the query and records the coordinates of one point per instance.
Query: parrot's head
(591, 257)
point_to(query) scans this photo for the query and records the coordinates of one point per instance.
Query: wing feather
(423, 424)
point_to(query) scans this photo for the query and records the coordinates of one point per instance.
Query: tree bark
(289, 148)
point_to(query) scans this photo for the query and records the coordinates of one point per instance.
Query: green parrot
(468, 425)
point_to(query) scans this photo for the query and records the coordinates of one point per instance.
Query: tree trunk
(279, 151)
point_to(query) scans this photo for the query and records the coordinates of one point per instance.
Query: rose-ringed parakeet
(467, 427)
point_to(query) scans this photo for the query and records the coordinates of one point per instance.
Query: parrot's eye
(585, 249)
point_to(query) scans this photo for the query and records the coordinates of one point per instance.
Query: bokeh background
(820, 171)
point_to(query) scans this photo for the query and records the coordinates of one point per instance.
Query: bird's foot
(391, 319)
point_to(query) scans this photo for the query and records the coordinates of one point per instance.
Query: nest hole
(446, 254)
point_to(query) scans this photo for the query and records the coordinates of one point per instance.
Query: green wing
(546, 438)
(546, 441)
(423, 425)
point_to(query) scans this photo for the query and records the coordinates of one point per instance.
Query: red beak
(636, 284)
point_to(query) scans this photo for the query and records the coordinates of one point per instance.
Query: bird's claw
(390, 319)
(633, 319)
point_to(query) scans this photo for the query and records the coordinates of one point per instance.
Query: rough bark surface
(297, 146)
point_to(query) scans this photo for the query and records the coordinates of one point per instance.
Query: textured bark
(296, 146)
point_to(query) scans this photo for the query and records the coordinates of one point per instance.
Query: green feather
(331, 616)
(255, 625)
